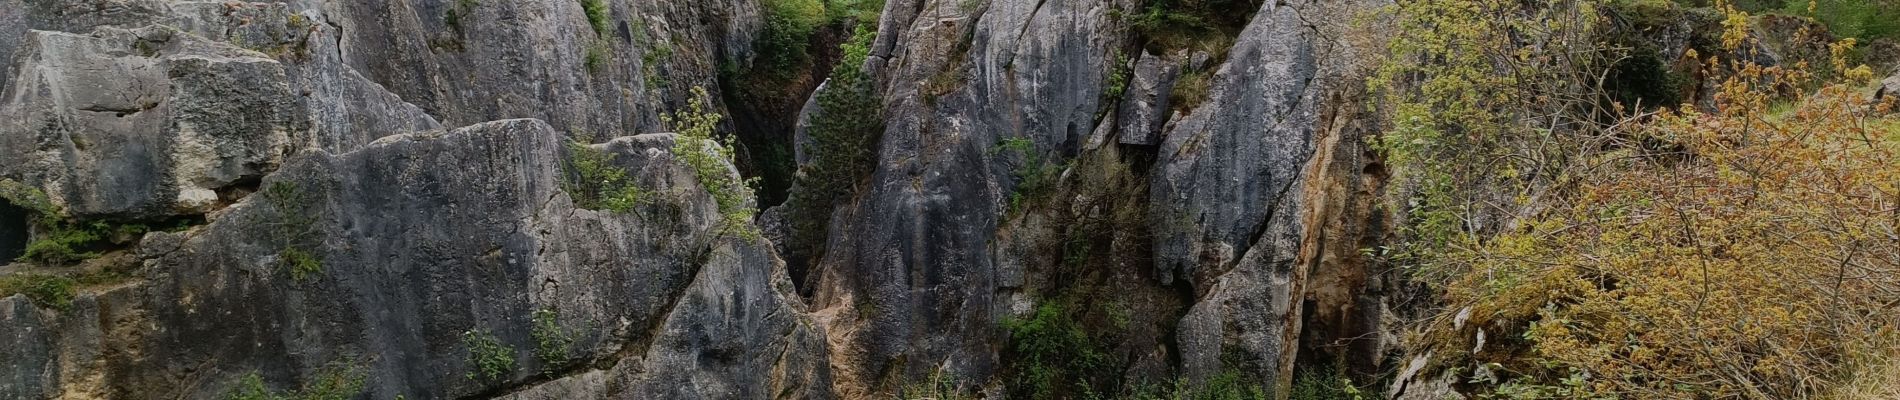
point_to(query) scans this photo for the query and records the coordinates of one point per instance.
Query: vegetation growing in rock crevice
(711, 159)
(801, 44)
(339, 381)
(61, 240)
(1208, 25)
(488, 358)
(844, 134)
(553, 342)
(50, 291)
(596, 183)
(295, 229)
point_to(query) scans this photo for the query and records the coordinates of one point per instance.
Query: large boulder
(144, 123)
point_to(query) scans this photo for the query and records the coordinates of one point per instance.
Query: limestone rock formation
(478, 243)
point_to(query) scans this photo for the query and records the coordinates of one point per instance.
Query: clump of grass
(50, 291)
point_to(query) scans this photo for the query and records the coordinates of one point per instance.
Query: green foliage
(50, 291)
(336, 382)
(861, 11)
(61, 240)
(453, 16)
(597, 17)
(785, 42)
(936, 387)
(1325, 384)
(58, 246)
(711, 162)
(1054, 356)
(1173, 24)
(301, 263)
(597, 184)
(1227, 385)
(552, 342)
(596, 57)
(844, 133)
(1036, 177)
(295, 229)
(490, 358)
(1862, 19)
(1118, 77)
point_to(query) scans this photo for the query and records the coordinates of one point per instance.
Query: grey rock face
(423, 239)
(908, 273)
(916, 276)
(1889, 88)
(1145, 107)
(78, 16)
(143, 123)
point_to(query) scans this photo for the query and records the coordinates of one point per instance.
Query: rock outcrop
(1030, 149)
(424, 244)
(947, 240)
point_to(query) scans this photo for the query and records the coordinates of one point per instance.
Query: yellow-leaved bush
(1745, 250)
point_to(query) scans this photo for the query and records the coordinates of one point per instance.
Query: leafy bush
(597, 184)
(1054, 357)
(711, 162)
(552, 342)
(490, 358)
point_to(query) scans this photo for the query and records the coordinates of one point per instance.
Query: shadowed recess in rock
(12, 231)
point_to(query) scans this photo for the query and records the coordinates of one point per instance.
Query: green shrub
(453, 17)
(63, 241)
(301, 263)
(860, 11)
(295, 229)
(710, 160)
(785, 42)
(1118, 76)
(596, 57)
(336, 382)
(844, 132)
(597, 184)
(552, 342)
(936, 387)
(50, 291)
(490, 358)
(1036, 177)
(1325, 384)
(1053, 356)
(596, 15)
